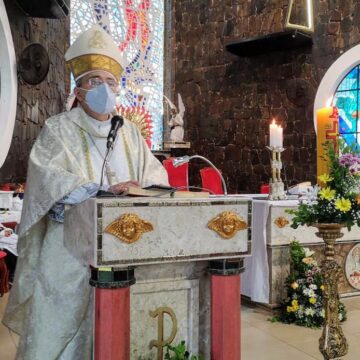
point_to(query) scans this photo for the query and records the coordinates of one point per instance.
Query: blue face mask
(101, 99)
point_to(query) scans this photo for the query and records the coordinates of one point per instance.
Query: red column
(112, 312)
(112, 324)
(225, 317)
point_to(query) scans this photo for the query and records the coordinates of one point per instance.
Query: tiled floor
(8, 342)
(261, 339)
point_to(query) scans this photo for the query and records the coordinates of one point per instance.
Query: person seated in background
(50, 304)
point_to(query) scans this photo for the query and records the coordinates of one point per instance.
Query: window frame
(333, 77)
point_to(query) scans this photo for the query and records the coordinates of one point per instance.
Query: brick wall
(35, 103)
(230, 100)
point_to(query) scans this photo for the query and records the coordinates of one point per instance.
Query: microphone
(116, 123)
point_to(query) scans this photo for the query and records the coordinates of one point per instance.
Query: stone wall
(35, 103)
(230, 100)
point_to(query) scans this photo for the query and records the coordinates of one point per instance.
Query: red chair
(211, 180)
(4, 274)
(178, 176)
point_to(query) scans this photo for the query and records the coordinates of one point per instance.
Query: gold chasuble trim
(87, 154)
(91, 62)
(129, 228)
(128, 158)
(227, 224)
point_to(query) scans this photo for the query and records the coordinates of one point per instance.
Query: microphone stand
(101, 191)
(184, 159)
(109, 147)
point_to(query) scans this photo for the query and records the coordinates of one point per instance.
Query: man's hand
(121, 187)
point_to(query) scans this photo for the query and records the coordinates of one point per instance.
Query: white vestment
(50, 304)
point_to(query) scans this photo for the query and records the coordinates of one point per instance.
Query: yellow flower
(294, 303)
(327, 193)
(289, 309)
(312, 300)
(325, 178)
(322, 287)
(343, 205)
(307, 260)
(294, 285)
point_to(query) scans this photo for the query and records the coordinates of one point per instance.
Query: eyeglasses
(96, 81)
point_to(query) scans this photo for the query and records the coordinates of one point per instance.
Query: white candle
(280, 134)
(276, 135)
(273, 134)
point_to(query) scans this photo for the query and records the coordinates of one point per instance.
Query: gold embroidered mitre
(94, 49)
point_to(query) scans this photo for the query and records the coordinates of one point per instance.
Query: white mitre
(93, 50)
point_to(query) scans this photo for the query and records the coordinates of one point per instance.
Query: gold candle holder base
(332, 343)
(277, 190)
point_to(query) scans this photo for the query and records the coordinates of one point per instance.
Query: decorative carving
(34, 64)
(227, 224)
(332, 343)
(129, 228)
(160, 342)
(281, 222)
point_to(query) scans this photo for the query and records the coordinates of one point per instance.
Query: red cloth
(4, 275)
(211, 180)
(11, 225)
(178, 176)
(265, 189)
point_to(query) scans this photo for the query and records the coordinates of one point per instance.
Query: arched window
(340, 87)
(346, 99)
(137, 26)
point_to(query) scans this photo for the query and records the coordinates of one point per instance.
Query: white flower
(309, 311)
(340, 316)
(311, 193)
(311, 293)
(306, 291)
(308, 252)
(313, 286)
(322, 313)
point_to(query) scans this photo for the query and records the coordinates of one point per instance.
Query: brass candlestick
(277, 191)
(332, 343)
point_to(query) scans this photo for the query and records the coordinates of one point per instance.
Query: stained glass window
(137, 26)
(346, 99)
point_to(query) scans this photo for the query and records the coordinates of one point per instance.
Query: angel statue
(176, 121)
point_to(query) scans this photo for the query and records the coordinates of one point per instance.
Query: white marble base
(183, 287)
(182, 296)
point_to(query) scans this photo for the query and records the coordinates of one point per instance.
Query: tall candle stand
(277, 191)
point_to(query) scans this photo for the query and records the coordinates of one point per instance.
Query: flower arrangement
(337, 200)
(304, 285)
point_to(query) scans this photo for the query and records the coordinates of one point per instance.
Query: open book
(165, 191)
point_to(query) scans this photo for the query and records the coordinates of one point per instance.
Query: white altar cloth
(10, 216)
(255, 279)
(9, 243)
(6, 199)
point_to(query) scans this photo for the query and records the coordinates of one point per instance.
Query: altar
(266, 271)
